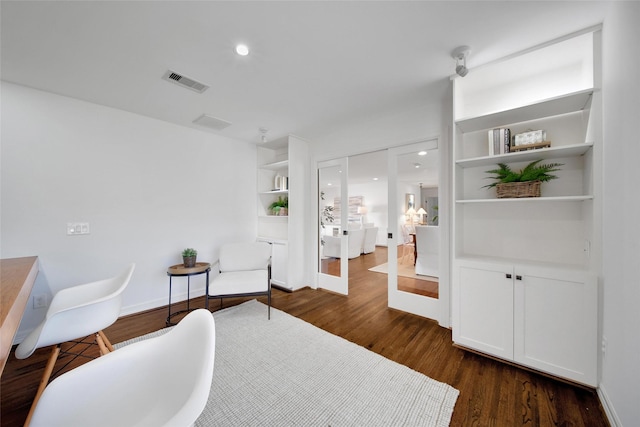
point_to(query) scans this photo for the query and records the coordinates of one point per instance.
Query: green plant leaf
(531, 172)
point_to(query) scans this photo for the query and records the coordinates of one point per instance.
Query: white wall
(621, 213)
(148, 189)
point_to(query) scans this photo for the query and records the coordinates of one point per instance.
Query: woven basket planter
(518, 189)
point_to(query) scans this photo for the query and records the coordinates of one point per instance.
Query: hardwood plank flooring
(492, 393)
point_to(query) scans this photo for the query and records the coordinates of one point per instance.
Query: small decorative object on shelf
(189, 256)
(530, 140)
(525, 183)
(279, 207)
(499, 140)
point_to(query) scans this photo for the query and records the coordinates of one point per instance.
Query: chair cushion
(245, 256)
(239, 282)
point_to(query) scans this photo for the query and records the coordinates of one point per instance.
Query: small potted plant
(189, 257)
(280, 206)
(525, 183)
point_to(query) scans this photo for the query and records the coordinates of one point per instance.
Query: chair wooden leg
(44, 381)
(103, 343)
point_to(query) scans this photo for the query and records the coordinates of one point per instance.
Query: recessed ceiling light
(329, 184)
(417, 165)
(422, 153)
(375, 179)
(242, 50)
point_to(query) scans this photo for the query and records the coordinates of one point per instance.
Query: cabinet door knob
(518, 277)
(508, 276)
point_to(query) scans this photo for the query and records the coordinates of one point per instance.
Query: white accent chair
(369, 242)
(245, 271)
(75, 313)
(161, 381)
(428, 243)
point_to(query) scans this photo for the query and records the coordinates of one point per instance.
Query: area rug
(404, 270)
(287, 372)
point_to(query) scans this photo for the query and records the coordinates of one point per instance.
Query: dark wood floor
(491, 393)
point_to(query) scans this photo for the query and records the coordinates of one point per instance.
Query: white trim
(609, 410)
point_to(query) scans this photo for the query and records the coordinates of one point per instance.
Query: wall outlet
(40, 301)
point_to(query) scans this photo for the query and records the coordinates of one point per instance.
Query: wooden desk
(17, 276)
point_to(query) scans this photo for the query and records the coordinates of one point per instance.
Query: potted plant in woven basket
(189, 256)
(525, 183)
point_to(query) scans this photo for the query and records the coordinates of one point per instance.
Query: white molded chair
(245, 270)
(77, 312)
(74, 313)
(161, 381)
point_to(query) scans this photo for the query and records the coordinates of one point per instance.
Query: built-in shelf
(276, 166)
(551, 107)
(530, 199)
(275, 192)
(528, 156)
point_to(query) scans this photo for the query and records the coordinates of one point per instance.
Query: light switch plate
(77, 228)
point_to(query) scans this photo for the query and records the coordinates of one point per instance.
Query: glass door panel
(414, 244)
(332, 232)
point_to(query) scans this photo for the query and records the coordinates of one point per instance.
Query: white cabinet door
(556, 323)
(483, 308)
(279, 263)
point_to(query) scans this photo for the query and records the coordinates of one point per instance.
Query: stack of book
(499, 141)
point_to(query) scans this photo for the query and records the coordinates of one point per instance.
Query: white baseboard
(159, 302)
(609, 410)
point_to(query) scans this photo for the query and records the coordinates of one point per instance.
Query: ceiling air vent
(212, 122)
(172, 76)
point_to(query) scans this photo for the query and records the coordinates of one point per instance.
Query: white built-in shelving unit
(524, 274)
(285, 157)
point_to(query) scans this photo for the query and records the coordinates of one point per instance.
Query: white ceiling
(314, 67)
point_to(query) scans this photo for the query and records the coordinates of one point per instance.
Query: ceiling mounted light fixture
(242, 50)
(422, 153)
(460, 55)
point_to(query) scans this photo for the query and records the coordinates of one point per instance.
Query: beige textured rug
(287, 372)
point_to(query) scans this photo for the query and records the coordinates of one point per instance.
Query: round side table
(179, 270)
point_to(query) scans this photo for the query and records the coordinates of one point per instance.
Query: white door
(483, 307)
(333, 197)
(414, 255)
(556, 322)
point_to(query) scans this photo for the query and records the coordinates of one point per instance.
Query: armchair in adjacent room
(369, 242)
(331, 246)
(427, 246)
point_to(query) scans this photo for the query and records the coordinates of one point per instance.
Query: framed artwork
(410, 201)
